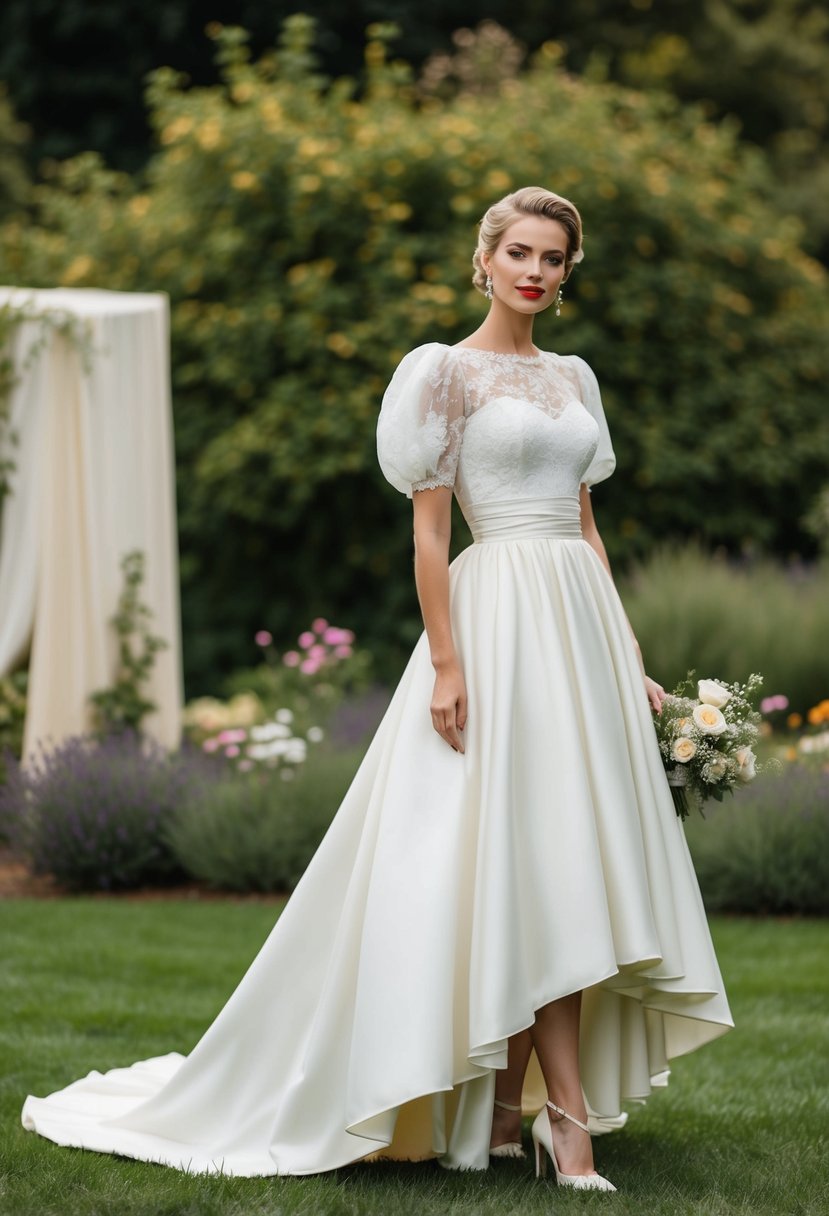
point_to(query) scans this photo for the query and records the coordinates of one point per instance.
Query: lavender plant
(91, 811)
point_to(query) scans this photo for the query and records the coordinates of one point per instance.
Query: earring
(489, 286)
(559, 300)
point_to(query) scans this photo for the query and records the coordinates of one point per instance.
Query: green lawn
(94, 983)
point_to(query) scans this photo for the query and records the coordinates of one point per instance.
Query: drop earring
(559, 300)
(489, 286)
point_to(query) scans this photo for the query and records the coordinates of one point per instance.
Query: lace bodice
(493, 426)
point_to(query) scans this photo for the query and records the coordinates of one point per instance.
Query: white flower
(270, 730)
(284, 715)
(315, 734)
(712, 693)
(814, 743)
(746, 759)
(718, 767)
(683, 750)
(296, 751)
(709, 720)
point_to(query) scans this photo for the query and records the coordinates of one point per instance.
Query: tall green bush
(689, 610)
(308, 237)
(768, 851)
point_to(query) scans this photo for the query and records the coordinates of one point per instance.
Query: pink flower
(335, 636)
(237, 735)
(769, 704)
(210, 745)
(232, 751)
(306, 639)
(343, 652)
(291, 658)
(309, 666)
(317, 652)
(319, 625)
(263, 638)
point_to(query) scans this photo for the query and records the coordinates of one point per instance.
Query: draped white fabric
(94, 479)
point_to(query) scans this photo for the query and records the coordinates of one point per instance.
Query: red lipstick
(531, 293)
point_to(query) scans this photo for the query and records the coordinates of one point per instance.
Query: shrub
(257, 831)
(768, 851)
(723, 619)
(308, 236)
(90, 812)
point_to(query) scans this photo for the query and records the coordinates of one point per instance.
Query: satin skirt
(453, 896)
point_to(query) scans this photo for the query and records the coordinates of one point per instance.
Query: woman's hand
(448, 706)
(656, 694)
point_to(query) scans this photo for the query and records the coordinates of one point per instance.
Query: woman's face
(527, 267)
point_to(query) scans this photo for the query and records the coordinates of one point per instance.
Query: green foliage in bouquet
(707, 740)
(308, 235)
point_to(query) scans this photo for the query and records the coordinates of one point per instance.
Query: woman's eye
(516, 253)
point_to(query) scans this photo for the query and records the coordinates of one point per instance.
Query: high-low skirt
(453, 896)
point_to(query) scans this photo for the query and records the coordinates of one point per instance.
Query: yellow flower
(244, 180)
(77, 269)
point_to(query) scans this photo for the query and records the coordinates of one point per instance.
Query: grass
(95, 983)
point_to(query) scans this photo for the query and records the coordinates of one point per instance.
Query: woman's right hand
(449, 704)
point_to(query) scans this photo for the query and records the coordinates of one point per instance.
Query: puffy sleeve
(604, 460)
(421, 421)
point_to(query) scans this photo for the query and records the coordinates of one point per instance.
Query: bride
(503, 918)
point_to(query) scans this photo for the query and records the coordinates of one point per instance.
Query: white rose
(746, 759)
(712, 693)
(709, 720)
(683, 750)
(718, 767)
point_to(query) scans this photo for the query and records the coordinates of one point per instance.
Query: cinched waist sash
(525, 518)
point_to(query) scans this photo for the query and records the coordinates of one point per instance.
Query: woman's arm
(432, 532)
(656, 693)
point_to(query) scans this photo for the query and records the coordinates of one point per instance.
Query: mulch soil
(16, 882)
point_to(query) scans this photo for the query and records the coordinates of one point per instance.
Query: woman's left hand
(656, 694)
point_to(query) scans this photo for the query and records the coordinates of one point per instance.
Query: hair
(530, 200)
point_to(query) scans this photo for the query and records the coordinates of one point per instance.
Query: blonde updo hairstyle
(530, 200)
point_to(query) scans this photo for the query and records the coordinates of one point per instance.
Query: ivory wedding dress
(455, 894)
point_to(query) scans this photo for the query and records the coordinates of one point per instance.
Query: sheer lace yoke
(546, 380)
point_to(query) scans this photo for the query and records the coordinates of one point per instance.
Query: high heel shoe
(542, 1134)
(512, 1148)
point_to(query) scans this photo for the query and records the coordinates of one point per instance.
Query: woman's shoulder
(430, 360)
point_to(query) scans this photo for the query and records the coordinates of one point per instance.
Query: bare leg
(509, 1082)
(555, 1037)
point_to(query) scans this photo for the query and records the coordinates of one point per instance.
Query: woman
(503, 914)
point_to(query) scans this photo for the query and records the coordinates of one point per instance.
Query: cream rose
(712, 693)
(746, 759)
(718, 767)
(709, 719)
(683, 750)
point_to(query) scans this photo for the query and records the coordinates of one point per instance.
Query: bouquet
(707, 741)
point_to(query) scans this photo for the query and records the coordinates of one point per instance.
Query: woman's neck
(505, 331)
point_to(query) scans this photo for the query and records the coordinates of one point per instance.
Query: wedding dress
(455, 894)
